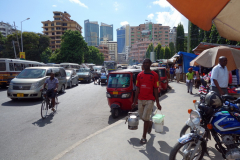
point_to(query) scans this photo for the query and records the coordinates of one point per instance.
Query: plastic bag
(158, 118)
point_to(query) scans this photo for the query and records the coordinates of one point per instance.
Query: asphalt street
(82, 128)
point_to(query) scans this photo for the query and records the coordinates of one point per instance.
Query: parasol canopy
(209, 58)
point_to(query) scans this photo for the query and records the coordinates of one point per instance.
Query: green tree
(157, 50)
(180, 38)
(162, 53)
(167, 54)
(2, 42)
(194, 30)
(56, 57)
(206, 36)
(45, 56)
(172, 48)
(72, 47)
(201, 35)
(95, 56)
(213, 34)
(149, 50)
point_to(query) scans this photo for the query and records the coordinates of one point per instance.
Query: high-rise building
(6, 29)
(151, 31)
(173, 35)
(103, 48)
(91, 32)
(112, 47)
(106, 31)
(55, 29)
(123, 39)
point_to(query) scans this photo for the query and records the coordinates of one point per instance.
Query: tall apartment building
(91, 32)
(123, 39)
(112, 47)
(173, 35)
(56, 28)
(103, 48)
(151, 31)
(139, 49)
(106, 31)
(6, 29)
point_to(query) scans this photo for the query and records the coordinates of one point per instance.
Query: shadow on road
(43, 122)
(22, 102)
(121, 116)
(3, 89)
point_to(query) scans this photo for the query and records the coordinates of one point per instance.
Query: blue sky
(116, 12)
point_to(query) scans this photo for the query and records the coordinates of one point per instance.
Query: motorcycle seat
(227, 97)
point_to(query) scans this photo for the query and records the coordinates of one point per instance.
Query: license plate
(20, 95)
(115, 92)
(80, 78)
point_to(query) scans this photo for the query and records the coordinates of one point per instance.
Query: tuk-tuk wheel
(115, 112)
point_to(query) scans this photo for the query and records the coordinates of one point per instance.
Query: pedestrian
(147, 92)
(189, 81)
(219, 77)
(95, 75)
(172, 70)
(177, 74)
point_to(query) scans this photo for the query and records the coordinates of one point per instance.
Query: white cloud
(150, 16)
(149, 6)
(78, 2)
(172, 17)
(124, 23)
(116, 5)
(54, 5)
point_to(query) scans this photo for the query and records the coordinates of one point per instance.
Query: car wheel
(62, 89)
(77, 83)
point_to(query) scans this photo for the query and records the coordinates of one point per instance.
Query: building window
(52, 42)
(58, 33)
(166, 42)
(52, 29)
(58, 41)
(46, 24)
(53, 33)
(52, 24)
(165, 28)
(57, 14)
(160, 31)
(160, 38)
(58, 23)
(132, 36)
(64, 29)
(46, 33)
(166, 35)
(53, 46)
(132, 39)
(56, 18)
(132, 43)
(166, 39)
(155, 35)
(155, 32)
(138, 28)
(52, 37)
(166, 31)
(138, 35)
(160, 35)
(46, 29)
(155, 28)
(138, 32)
(58, 28)
(64, 24)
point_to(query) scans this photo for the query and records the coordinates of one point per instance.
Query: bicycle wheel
(56, 103)
(44, 109)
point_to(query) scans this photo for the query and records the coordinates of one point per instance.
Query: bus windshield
(32, 73)
(119, 80)
(2, 66)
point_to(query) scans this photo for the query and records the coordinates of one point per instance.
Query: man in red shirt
(147, 92)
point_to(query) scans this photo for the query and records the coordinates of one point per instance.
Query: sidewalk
(117, 142)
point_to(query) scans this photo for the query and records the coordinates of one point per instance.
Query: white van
(30, 81)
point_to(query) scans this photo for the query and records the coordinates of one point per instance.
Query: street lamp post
(21, 33)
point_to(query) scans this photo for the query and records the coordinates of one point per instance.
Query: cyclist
(52, 82)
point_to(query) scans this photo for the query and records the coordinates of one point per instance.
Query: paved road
(82, 111)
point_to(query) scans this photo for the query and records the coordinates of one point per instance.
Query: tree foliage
(95, 56)
(167, 54)
(172, 48)
(180, 38)
(194, 30)
(157, 51)
(45, 56)
(2, 42)
(149, 50)
(162, 53)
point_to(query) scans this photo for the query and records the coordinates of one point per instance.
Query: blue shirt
(51, 83)
(172, 70)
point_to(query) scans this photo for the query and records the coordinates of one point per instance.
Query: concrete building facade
(91, 32)
(139, 49)
(6, 29)
(112, 47)
(106, 31)
(123, 39)
(56, 28)
(173, 35)
(151, 31)
(103, 48)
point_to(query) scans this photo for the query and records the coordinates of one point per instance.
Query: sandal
(143, 141)
(150, 128)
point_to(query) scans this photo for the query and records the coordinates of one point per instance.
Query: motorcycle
(222, 123)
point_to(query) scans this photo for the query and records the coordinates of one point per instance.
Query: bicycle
(47, 103)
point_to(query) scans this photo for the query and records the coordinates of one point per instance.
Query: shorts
(145, 108)
(51, 93)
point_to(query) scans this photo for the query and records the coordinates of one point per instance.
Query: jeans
(189, 86)
(178, 76)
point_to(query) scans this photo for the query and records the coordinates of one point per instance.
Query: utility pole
(17, 37)
(189, 34)
(14, 49)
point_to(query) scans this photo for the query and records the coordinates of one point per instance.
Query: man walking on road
(219, 77)
(147, 92)
(189, 80)
(172, 70)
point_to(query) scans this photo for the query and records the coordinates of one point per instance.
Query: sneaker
(53, 109)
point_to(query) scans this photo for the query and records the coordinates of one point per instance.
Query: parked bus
(70, 65)
(52, 65)
(10, 68)
(110, 65)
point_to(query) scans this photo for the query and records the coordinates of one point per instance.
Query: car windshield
(119, 81)
(32, 73)
(83, 70)
(68, 74)
(162, 72)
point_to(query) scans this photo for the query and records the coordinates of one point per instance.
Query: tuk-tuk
(121, 88)
(155, 69)
(163, 78)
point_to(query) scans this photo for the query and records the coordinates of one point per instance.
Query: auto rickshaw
(163, 78)
(121, 88)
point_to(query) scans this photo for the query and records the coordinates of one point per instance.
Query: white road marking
(60, 155)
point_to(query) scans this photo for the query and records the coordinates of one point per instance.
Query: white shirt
(221, 75)
(177, 70)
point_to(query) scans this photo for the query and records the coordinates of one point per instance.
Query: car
(72, 77)
(30, 81)
(84, 75)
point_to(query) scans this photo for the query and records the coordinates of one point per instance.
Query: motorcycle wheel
(183, 151)
(184, 130)
(115, 113)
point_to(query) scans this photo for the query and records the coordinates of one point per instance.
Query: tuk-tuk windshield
(119, 81)
(162, 72)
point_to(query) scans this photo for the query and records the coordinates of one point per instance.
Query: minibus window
(11, 67)
(17, 66)
(2, 66)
